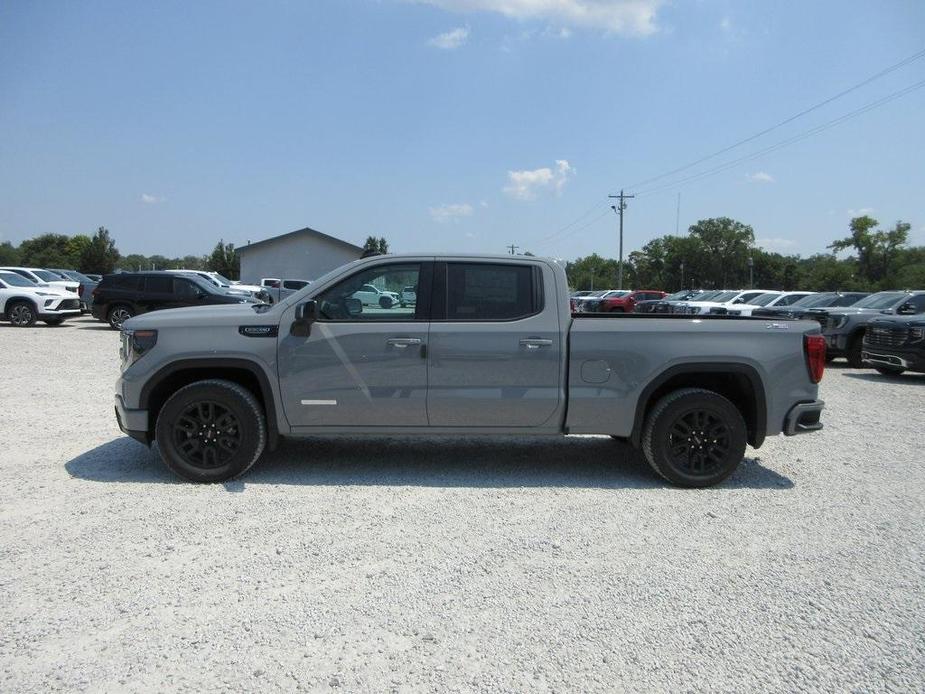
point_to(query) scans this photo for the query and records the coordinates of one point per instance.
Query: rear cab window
(490, 292)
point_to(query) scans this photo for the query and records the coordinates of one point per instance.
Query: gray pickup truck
(488, 347)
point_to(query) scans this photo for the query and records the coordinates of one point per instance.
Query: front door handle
(402, 342)
(535, 342)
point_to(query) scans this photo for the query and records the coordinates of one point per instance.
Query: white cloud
(861, 212)
(451, 39)
(149, 199)
(631, 17)
(525, 185)
(760, 177)
(775, 244)
(450, 213)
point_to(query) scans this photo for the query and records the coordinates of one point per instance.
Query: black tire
(53, 321)
(854, 352)
(211, 431)
(890, 370)
(118, 314)
(710, 421)
(21, 314)
(386, 302)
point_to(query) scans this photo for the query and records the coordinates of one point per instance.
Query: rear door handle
(403, 342)
(535, 342)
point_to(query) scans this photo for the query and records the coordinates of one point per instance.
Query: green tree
(726, 243)
(592, 272)
(224, 260)
(9, 254)
(134, 262)
(101, 255)
(375, 245)
(47, 250)
(876, 251)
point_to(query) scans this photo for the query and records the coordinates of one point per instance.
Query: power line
(604, 213)
(784, 143)
(582, 216)
(792, 118)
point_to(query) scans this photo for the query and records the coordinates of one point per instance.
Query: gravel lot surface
(452, 564)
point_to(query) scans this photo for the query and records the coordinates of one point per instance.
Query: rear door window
(159, 284)
(485, 291)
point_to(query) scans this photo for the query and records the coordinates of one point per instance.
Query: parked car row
(612, 300)
(30, 294)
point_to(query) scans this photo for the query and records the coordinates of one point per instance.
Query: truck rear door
(495, 346)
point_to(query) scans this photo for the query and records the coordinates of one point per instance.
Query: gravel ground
(452, 564)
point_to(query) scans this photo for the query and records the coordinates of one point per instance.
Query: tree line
(720, 253)
(98, 254)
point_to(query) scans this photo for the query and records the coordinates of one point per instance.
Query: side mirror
(305, 314)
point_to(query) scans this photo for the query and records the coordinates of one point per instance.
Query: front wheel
(21, 314)
(694, 437)
(854, 353)
(211, 431)
(118, 315)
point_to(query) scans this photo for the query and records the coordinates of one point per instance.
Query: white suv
(22, 302)
(43, 278)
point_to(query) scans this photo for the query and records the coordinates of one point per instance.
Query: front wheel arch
(161, 385)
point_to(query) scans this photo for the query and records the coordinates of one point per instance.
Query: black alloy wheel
(211, 431)
(694, 437)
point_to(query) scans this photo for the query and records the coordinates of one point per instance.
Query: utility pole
(682, 274)
(618, 208)
(751, 272)
(513, 248)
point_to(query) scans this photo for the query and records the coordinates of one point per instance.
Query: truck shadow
(477, 462)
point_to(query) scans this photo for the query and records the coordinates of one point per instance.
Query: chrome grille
(69, 304)
(886, 337)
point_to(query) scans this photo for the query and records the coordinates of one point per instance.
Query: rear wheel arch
(250, 375)
(739, 383)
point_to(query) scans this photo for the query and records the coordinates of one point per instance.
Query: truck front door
(361, 366)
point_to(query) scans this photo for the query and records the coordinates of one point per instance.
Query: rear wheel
(211, 431)
(694, 437)
(21, 314)
(118, 315)
(890, 370)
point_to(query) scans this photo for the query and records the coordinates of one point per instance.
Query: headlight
(916, 334)
(136, 344)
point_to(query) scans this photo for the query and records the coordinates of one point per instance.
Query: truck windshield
(881, 300)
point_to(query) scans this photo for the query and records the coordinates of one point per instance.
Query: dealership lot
(470, 563)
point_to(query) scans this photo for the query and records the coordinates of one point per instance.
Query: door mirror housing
(305, 314)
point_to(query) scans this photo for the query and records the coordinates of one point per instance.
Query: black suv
(119, 297)
(894, 344)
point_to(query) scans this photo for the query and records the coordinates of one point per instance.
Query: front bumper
(804, 418)
(132, 422)
(911, 360)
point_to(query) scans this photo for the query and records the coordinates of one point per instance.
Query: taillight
(814, 349)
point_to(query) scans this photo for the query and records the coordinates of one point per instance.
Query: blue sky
(452, 124)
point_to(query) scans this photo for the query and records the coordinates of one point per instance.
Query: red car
(627, 302)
